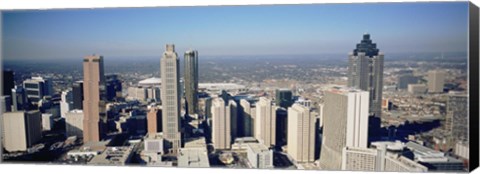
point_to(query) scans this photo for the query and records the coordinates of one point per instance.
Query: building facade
(345, 116)
(21, 130)
(247, 117)
(222, 116)
(301, 133)
(66, 103)
(265, 123)
(74, 123)
(94, 103)
(259, 156)
(154, 120)
(283, 98)
(170, 95)
(191, 80)
(365, 72)
(436, 81)
(77, 92)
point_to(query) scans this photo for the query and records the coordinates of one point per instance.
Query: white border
(56, 4)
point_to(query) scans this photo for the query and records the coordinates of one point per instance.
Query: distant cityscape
(360, 112)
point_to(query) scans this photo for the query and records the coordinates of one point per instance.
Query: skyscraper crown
(366, 46)
(170, 48)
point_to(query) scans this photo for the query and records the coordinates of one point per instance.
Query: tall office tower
(457, 117)
(21, 130)
(222, 116)
(36, 88)
(301, 133)
(66, 103)
(154, 120)
(19, 99)
(365, 72)
(114, 87)
(191, 80)
(169, 68)
(74, 123)
(246, 115)
(265, 123)
(436, 80)
(77, 91)
(8, 82)
(345, 115)
(94, 109)
(283, 98)
(281, 127)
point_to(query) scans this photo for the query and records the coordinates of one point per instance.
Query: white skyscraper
(345, 124)
(265, 121)
(301, 133)
(170, 95)
(66, 104)
(436, 80)
(222, 115)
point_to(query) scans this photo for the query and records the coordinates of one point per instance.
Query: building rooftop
(422, 151)
(344, 90)
(150, 82)
(193, 157)
(196, 143)
(392, 146)
(257, 147)
(246, 140)
(113, 156)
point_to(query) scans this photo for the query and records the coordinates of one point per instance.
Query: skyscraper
(191, 80)
(265, 123)
(436, 80)
(170, 95)
(77, 91)
(66, 103)
(283, 98)
(246, 115)
(365, 72)
(301, 133)
(8, 82)
(345, 124)
(222, 116)
(94, 98)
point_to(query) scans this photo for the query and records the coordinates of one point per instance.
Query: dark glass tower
(114, 86)
(283, 98)
(77, 90)
(191, 80)
(8, 82)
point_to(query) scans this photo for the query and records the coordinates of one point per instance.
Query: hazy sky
(235, 30)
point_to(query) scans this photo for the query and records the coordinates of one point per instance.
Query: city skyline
(305, 29)
(282, 112)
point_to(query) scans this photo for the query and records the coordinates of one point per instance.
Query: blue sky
(235, 30)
